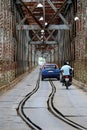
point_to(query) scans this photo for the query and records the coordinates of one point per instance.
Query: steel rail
(20, 110)
(57, 113)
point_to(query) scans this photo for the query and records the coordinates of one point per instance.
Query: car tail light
(56, 66)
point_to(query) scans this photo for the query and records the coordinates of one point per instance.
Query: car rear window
(50, 66)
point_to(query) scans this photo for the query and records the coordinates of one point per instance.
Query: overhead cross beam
(57, 12)
(36, 27)
(41, 42)
(29, 11)
(36, 30)
(32, 15)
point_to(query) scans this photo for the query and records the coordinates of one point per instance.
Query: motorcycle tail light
(66, 76)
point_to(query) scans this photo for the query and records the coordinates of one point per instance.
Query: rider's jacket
(66, 70)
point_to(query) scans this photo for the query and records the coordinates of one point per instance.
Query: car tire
(42, 78)
(58, 78)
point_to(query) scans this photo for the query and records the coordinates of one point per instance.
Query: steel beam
(59, 14)
(29, 12)
(41, 42)
(36, 27)
(56, 12)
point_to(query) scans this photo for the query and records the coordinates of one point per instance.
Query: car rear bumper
(50, 76)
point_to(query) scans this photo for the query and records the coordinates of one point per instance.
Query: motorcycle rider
(66, 70)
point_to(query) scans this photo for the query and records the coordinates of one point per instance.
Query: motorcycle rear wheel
(67, 85)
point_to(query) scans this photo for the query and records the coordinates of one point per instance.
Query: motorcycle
(67, 81)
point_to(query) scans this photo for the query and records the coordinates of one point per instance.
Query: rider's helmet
(66, 63)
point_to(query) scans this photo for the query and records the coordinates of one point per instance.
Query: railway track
(20, 110)
(51, 108)
(57, 113)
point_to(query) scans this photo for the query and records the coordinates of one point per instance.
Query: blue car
(50, 71)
